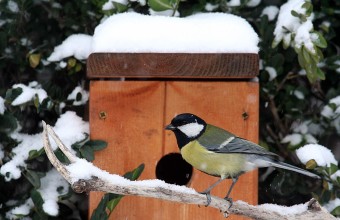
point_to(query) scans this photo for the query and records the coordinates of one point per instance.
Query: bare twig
(167, 191)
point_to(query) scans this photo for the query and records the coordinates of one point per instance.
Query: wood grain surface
(172, 65)
(135, 115)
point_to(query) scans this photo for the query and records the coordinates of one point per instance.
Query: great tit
(220, 153)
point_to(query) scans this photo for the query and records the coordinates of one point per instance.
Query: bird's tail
(286, 166)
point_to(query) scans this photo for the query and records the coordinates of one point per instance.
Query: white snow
(74, 93)
(13, 6)
(302, 30)
(69, 127)
(2, 105)
(210, 7)
(77, 45)
(332, 204)
(82, 169)
(298, 94)
(28, 93)
(136, 33)
(52, 186)
(271, 11)
(322, 155)
(200, 33)
(272, 72)
(301, 131)
(292, 139)
(23, 209)
(333, 113)
(284, 210)
(236, 3)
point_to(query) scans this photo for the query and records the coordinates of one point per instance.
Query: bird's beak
(170, 127)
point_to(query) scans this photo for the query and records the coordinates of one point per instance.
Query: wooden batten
(131, 115)
(172, 65)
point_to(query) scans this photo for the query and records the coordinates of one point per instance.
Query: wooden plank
(172, 65)
(221, 104)
(133, 129)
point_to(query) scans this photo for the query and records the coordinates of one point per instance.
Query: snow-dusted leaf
(12, 94)
(319, 41)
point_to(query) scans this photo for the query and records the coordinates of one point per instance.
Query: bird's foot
(207, 193)
(230, 200)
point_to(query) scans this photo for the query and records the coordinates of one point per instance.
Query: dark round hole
(173, 169)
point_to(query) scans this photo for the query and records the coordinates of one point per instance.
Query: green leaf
(110, 200)
(319, 41)
(306, 55)
(71, 62)
(8, 123)
(96, 144)
(38, 203)
(12, 94)
(61, 156)
(33, 177)
(332, 169)
(336, 211)
(36, 101)
(133, 175)
(160, 5)
(120, 7)
(301, 60)
(295, 14)
(309, 8)
(32, 154)
(87, 152)
(320, 74)
(111, 205)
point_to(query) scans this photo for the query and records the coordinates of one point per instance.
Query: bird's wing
(221, 141)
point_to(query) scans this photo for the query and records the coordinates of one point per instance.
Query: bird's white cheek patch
(191, 129)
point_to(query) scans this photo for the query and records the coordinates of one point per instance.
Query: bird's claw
(208, 197)
(230, 200)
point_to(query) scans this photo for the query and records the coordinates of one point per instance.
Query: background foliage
(291, 102)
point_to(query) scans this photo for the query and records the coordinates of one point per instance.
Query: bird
(219, 153)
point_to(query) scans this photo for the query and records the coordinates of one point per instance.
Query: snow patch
(77, 45)
(69, 127)
(322, 155)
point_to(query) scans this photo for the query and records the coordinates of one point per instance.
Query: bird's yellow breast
(217, 164)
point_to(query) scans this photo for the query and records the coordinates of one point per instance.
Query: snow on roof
(200, 33)
(136, 33)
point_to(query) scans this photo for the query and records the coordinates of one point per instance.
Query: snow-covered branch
(85, 177)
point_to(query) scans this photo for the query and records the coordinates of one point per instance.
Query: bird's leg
(234, 179)
(207, 191)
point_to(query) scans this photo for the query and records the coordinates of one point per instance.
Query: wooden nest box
(134, 95)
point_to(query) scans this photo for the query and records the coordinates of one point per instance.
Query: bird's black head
(186, 127)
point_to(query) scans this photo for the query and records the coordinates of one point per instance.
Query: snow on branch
(85, 177)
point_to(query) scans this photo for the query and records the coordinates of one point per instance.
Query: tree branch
(111, 183)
